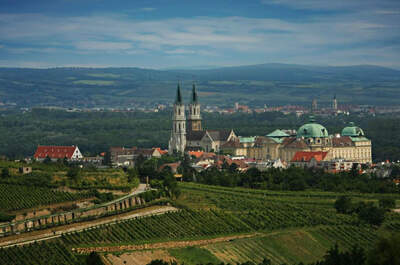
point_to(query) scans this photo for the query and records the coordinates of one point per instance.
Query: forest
(95, 132)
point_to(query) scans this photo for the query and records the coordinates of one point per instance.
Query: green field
(285, 227)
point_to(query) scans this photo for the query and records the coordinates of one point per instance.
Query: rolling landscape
(271, 84)
(201, 132)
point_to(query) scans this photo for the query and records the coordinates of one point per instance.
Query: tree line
(95, 132)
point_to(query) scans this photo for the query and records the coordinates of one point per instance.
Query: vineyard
(39, 253)
(286, 227)
(15, 197)
(186, 224)
(293, 246)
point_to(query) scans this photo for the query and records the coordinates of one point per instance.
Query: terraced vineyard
(286, 227)
(39, 253)
(15, 197)
(292, 246)
(185, 224)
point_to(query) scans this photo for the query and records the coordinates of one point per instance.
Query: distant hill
(271, 84)
(298, 73)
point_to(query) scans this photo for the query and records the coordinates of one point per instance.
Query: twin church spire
(177, 142)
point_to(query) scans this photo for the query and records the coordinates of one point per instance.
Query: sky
(164, 34)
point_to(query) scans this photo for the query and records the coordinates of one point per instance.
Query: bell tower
(177, 143)
(334, 103)
(194, 120)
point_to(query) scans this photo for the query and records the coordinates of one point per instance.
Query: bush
(6, 217)
(387, 203)
(94, 259)
(343, 205)
(5, 173)
(371, 214)
(386, 251)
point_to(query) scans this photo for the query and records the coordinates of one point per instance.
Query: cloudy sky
(178, 33)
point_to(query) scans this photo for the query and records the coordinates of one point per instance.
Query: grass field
(193, 255)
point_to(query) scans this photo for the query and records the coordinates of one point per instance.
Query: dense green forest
(95, 132)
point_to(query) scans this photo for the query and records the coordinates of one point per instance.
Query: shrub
(343, 205)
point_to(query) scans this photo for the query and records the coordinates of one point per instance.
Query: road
(140, 189)
(46, 234)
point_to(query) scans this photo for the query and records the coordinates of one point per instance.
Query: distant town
(324, 109)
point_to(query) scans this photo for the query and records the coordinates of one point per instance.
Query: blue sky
(170, 33)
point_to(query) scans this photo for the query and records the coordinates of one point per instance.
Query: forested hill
(298, 73)
(271, 84)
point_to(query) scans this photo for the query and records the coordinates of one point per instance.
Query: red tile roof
(55, 152)
(162, 152)
(307, 156)
(196, 154)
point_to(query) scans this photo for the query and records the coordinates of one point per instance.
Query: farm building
(58, 152)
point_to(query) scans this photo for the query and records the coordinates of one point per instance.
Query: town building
(192, 137)
(350, 145)
(125, 157)
(71, 153)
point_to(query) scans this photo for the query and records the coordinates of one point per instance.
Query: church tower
(194, 120)
(177, 143)
(314, 105)
(334, 103)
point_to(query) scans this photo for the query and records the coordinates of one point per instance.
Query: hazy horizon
(161, 34)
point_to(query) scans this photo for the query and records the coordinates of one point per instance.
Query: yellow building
(350, 145)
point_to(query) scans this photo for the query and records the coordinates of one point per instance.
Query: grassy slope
(193, 255)
(290, 245)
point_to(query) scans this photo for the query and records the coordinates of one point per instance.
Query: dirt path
(162, 245)
(55, 232)
(138, 257)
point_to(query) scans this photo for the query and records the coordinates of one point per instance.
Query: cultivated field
(232, 225)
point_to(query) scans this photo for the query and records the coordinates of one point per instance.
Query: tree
(386, 251)
(343, 205)
(171, 186)
(73, 173)
(387, 203)
(107, 159)
(371, 214)
(5, 172)
(94, 259)
(133, 175)
(47, 160)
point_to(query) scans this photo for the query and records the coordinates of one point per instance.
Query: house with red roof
(57, 152)
(308, 159)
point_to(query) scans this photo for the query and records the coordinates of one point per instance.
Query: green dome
(353, 131)
(312, 130)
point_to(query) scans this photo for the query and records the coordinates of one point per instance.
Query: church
(188, 134)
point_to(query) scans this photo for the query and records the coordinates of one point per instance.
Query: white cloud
(354, 5)
(148, 9)
(261, 39)
(103, 45)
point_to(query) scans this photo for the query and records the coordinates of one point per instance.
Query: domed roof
(312, 130)
(352, 130)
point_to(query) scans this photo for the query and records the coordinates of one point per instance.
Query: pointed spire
(178, 99)
(194, 94)
(334, 97)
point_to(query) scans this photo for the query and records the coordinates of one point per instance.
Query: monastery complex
(311, 140)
